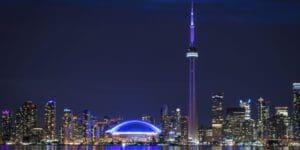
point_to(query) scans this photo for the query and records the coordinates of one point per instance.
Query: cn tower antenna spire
(192, 26)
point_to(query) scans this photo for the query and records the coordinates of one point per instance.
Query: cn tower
(192, 56)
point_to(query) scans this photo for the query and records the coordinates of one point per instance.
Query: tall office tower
(248, 128)
(278, 124)
(177, 127)
(217, 117)
(93, 121)
(67, 127)
(246, 106)
(174, 130)
(86, 126)
(296, 111)
(50, 121)
(26, 120)
(235, 117)
(283, 111)
(77, 129)
(263, 115)
(184, 130)
(192, 55)
(6, 125)
(165, 123)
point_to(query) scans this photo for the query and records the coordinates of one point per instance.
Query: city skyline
(84, 62)
(229, 126)
(216, 113)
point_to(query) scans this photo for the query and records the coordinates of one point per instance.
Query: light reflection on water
(52, 147)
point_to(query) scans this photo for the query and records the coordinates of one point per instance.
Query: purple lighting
(51, 101)
(192, 54)
(192, 27)
(5, 112)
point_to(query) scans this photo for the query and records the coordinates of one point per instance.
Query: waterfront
(53, 147)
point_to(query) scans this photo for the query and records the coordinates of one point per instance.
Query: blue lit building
(50, 121)
(134, 131)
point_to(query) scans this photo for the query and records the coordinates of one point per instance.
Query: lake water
(50, 147)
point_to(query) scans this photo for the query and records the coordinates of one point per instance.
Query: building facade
(235, 116)
(217, 117)
(165, 124)
(296, 111)
(184, 130)
(247, 106)
(25, 121)
(50, 121)
(87, 126)
(262, 118)
(6, 125)
(67, 127)
(278, 125)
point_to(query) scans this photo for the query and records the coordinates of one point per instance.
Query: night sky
(127, 58)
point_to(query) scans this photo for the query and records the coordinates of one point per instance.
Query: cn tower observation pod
(134, 131)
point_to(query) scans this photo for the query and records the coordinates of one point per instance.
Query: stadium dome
(134, 127)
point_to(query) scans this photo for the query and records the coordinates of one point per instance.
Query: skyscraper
(192, 55)
(174, 130)
(263, 115)
(177, 117)
(296, 110)
(77, 132)
(165, 123)
(184, 130)
(278, 124)
(50, 121)
(233, 123)
(217, 117)
(67, 127)
(26, 120)
(86, 126)
(246, 106)
(6, 125)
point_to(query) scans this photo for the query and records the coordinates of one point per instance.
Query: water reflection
(52, 147)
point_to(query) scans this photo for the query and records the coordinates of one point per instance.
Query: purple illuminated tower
(192, 55)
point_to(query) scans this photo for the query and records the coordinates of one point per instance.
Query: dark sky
(127, 58)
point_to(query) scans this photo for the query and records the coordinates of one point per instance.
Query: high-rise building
(263, 115)
(246, 105)
(296, 111)
(25, 121)
(183, 130)
(87, 126)
(235, 117)
(67, 127)
(217, 117)
(247, 132)
(6, 125)
(278, 124)
(176, 122)
(77, 133)
(50, 121)
(174, 128)
(165, 123)
(192, 55)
